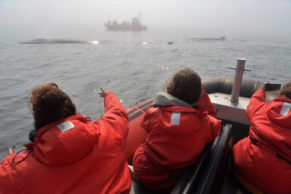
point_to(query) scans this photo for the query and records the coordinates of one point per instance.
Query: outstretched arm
(257, 101)
(114, 115)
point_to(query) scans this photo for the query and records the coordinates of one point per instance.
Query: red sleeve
(115, 115)
(256, 102)
(206, 105)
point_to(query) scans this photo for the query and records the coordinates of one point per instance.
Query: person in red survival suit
(263, 159)
(179, 125)
(69, 153)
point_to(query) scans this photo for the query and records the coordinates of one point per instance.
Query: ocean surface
(135, 68)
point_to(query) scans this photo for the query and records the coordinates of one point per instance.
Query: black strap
(253, 141)
(30, 151)
(32, 135)
(281, 157)
(195, 107)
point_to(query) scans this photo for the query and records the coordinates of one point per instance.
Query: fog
(85, 19)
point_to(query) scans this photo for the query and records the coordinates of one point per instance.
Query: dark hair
(185, 85)
(286, 90)
(49, 104)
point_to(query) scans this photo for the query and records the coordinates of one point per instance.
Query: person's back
(71, 155)
(263, 159)
(177, 132)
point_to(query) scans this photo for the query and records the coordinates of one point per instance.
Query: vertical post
(237, 80)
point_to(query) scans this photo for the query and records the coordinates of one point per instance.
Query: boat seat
(210, 172)
(188, 172)
(203, 177)
(138, 188)
(246, 185)
(231, 185)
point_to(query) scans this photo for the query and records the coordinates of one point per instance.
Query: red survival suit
(177, 134)
(263, 158)
(73, 155)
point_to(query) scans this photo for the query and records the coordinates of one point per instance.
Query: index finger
(12, 150)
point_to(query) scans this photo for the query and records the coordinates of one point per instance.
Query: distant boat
(55, 41)
(219, 38)
(134, 25)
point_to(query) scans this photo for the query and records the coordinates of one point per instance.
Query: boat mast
(240, 68)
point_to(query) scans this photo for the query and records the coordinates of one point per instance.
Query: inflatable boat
(230, 97)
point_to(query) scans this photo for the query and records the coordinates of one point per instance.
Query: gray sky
(234, 18)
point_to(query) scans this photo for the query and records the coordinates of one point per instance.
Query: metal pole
(237, 80)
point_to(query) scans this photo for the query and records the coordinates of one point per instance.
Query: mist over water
(134, 65)
(255, 19)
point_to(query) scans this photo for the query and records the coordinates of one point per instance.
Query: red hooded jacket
(176, 137)
(73, 155)
(263, 158)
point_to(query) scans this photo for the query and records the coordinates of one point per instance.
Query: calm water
(135, 69)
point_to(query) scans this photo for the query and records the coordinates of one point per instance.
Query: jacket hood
(66, 141)
(165, 99)
(279, 112)
(181, 116)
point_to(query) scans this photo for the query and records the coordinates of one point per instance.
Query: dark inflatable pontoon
(224, 85)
